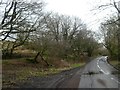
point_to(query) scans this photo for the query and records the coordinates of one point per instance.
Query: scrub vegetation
(39, 43)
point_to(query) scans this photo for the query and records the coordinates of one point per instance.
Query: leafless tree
(113, 21)
(17, 14)
(20, 18)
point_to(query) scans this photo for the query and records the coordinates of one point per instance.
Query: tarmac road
(99, 74)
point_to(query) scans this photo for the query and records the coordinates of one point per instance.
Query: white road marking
(115, 80)
(107, 73)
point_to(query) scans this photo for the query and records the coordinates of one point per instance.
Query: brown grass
(19, 69)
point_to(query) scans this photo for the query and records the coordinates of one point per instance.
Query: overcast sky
(82, 9)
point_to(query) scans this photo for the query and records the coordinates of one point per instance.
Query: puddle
(101, 82)
(100, 72)
(116, 73)
(92, 73)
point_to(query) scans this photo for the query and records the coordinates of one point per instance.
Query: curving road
(99, 74)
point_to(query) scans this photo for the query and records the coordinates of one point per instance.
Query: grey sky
(82, 9)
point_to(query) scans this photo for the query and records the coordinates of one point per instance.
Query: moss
(77, 65)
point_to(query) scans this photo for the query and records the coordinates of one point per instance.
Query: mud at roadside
(65, 79)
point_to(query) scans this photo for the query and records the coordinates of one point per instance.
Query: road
(99, 74)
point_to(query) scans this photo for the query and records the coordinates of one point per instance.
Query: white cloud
(80, 8)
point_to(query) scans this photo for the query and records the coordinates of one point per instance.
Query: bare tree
(17, 14)
(20, 18)
(110, 35)
(53, 24)
(113, 21)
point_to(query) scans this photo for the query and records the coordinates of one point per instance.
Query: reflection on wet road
(99, 74)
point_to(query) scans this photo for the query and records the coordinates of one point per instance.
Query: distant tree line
(49, 34)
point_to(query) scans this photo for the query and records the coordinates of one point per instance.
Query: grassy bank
(19, 70)
(115, 63)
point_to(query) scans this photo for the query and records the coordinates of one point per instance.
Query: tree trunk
(35, 59)
(89, 51)
(44, 60)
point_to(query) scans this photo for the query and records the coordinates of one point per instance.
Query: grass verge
(115, 63)
(20, 70)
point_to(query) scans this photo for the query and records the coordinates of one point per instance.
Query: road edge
(112, 65)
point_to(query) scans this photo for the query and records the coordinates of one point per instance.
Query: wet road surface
(99, 74)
